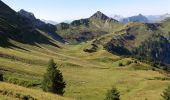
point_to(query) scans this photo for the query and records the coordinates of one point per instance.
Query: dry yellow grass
(38, 94)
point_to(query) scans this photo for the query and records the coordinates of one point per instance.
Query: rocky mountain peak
(35, 22)
(26, 14)
(100, 15)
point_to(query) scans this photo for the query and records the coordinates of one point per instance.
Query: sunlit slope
(14, 92)
(88, 75)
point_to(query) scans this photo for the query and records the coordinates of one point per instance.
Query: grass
(88, 75)
(11, 91)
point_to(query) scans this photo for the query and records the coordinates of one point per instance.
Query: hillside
(16, 27)
(83, 72)
(93, 55)
(14, 92)
(87, 29)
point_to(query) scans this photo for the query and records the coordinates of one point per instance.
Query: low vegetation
(166, 94)
(15, 92)
(113, 94)
(1, 77)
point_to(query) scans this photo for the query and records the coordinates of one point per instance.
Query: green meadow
(88, 76)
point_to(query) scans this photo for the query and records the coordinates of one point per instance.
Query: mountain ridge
(18, 27)
(86, 29)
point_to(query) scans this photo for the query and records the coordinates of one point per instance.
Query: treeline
(154, 51)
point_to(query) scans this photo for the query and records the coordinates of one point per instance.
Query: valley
(94, 54)
(88, 76)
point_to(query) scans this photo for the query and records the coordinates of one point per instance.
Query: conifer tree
(113, 94)
(53, 79)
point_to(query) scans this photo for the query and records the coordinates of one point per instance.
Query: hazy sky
(60, 10)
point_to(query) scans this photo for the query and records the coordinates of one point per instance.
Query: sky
(62, 10)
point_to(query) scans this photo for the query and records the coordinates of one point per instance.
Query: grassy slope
(38, 94)
(165, 27)
(88, 76)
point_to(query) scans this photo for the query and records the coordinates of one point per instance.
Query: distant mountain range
(141, 18)
(50, 21)
(136, 18)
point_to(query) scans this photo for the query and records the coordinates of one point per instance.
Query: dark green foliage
(156, 48)
(92, 49)
(113, 94)
(136, 61)
(161, 78)
(62, 26)
(153, 69)
(120, 64)
(80, 22)
(53, 79)
(1, 77)
(166, 94)
(22, 82)
(116, 49)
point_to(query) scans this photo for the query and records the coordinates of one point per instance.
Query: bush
(22, 82)
(1, 77)
(166, 94)
(120, 64)
(136, 61)
(53, 79)
(113, 94)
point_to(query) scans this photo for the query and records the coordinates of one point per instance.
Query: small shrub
(120, 64)
(153, 69)
(161, 78)
(1, 77)
(136, 61)
(166, 94)
(22, 82)
(113, 94)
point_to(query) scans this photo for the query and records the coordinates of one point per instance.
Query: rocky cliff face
(35, 22)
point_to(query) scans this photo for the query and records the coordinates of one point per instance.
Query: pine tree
(113, 94)
(53, 79)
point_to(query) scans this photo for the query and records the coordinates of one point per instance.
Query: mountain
(31, 17)
(157, 18)
(117, 17)
(50, 22)
(138, 18)
(87, 29)
(37, 23)
(143, 41)
(131, 56)
(23, 27)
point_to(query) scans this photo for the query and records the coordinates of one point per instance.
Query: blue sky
(60, 10)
